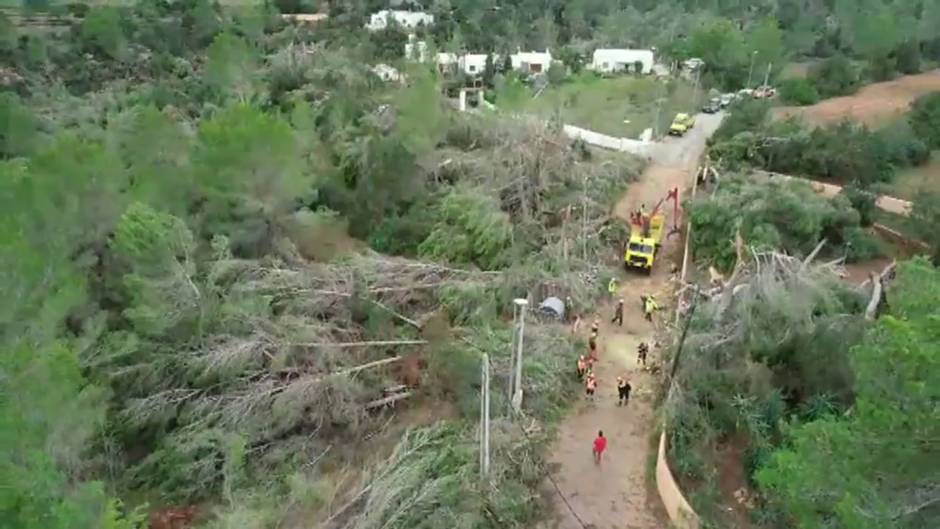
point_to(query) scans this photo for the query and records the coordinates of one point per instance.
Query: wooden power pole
(485, 415)
(515, 353)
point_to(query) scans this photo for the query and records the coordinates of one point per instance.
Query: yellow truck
(681, 124)
(645, 238)
(646, 233)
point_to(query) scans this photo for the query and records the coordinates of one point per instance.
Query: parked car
(726, 99)
(713, 106)
(765, 92)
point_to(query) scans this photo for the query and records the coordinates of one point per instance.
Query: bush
(901, 145)
(835, 77)
(925, 119)
(908, 57)
(747, 115)
(862, 201)
(798, 91)
(860, 245)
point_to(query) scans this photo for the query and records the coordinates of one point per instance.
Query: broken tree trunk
(871, 312)
(378, 403)
(376, 343)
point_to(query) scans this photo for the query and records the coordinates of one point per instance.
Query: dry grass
(912, 181)
(619, 106)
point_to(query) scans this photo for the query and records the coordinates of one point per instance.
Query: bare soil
(616, 494)
(874, 105)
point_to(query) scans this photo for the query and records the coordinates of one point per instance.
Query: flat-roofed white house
(622, 60)
(473, 63)
(404, 19)
(531, 62)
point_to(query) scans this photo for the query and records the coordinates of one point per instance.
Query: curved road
(617, 494)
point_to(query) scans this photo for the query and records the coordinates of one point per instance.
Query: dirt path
(617, 494)
(874, 105)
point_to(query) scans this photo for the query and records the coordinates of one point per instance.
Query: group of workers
(585, 365)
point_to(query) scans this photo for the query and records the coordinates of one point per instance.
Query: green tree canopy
(877, 466)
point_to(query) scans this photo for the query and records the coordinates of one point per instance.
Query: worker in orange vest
(590, 385)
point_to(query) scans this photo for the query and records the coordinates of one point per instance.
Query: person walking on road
(641, 351)
(582, 367)
(612, 287)
(595, 327)
(592, 347)
(618, 314)
(623, 391)
(649, 307)
(590, 385)
(600, 444)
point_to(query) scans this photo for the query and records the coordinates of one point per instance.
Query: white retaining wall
(641, 148)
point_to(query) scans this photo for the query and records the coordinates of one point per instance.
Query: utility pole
(767, 75)
(485, 415)
(750, 69)
(516, 400)
(584, 217)
(698, 77)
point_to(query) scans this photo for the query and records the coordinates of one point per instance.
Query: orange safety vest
(582, 364)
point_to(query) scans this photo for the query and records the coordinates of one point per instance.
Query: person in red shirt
(600, 444)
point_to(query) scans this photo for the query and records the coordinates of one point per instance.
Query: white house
(404, 19)
(531, 61)
(622, 60)
(416, 50)
(310, 19)
(446, 62)
(387, 73)
(473, 63)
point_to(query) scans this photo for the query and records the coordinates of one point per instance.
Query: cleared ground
(618, 106)
(873, 105)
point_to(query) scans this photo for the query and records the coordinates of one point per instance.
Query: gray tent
(553, 307)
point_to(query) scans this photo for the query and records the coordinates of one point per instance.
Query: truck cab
(681, 124)
(643, 243)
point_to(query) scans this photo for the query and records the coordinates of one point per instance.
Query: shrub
(925, 119)
(862, 201)
(908, 57)
(747, 115)
(901, 145)
(860, 245)
(835, 77)
(798, 91)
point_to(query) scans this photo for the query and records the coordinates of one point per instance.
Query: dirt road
(874, 105)
(617, 494)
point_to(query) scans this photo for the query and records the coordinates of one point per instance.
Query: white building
(473, 63)
(531, 61)
(311, 19)
(622, 60)
(446, 62)
(387, 73)
(404, 19)
(416, 50)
